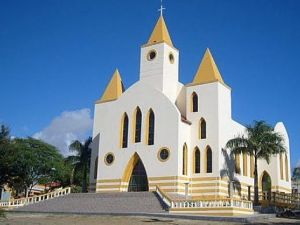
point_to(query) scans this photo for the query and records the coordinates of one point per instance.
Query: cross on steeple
(161, 8)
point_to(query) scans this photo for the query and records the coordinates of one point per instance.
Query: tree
(262, 142)
(6, 156)
(34, 161)
(82, 159)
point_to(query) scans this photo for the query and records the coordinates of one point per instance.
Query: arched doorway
(266, 186)
(138, 180)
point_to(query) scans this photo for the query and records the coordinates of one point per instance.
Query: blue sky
(56, 58)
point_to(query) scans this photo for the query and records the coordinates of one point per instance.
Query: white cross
(161, 8)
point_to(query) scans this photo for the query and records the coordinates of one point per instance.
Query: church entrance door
(138, 180)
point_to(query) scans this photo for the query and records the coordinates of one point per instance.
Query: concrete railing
(217, 203)
(199, 203)
(164, 197)
(13, 203)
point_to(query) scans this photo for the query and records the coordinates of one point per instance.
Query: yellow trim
(205, 160)
(237, 163)
(168, 178)
(208, 70)
(114, 88)
(286, 168)
(109, 164)
(245, 164)
(260, 180)
(192, 101)
(200, 127)
(281, 166)
(282, 188)
(194, 160)
(184, 160)
(160, 33)
(108, 180)
(147, 125)
(252, 166)
(134, 124)
(122, 128)
(158, 154)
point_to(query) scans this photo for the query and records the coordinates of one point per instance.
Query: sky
(56, 58)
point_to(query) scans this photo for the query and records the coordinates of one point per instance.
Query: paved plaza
(61, 219)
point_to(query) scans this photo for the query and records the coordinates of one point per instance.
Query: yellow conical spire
(114, 88)
(160, 33)
(207, 71)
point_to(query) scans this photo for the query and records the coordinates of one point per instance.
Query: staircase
(123, 202)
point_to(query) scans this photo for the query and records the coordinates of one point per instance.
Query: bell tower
(159, 61)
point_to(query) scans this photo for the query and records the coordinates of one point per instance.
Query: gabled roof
(114, 89)
(160, 33)
(208, 71)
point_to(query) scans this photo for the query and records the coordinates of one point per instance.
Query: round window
(171, 57)
(151, 55)
(109, 158)
(163, 154)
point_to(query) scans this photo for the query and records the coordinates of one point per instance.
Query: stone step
(123, 202)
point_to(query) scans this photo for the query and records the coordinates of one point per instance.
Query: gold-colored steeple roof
(208, 71)
(160, 33)
(114, 89)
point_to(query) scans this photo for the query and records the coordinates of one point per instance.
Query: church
(162, 133)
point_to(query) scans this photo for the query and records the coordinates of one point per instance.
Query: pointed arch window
(184, 160)
(237, 163)
(151, 126)
(96, 168)
(138, 125)
(124, 128)
(245, 164)
(202, 129)
(252, 166)
(197, 160)
(281, 166)
(194, 102)
(208, 160)
(286, 168)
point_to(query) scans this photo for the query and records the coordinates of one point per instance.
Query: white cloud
(67, 127)
(298, 163)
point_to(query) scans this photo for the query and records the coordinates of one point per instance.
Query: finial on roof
(161, 8)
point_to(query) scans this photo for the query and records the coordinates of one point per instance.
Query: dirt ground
(59, 219)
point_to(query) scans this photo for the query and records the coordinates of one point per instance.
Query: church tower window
(202, 129)
(208, 160)
(194, 102)
(124, 128)
(151, 125)
(138, 125)
(197, 160)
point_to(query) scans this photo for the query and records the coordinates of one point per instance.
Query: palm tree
(261, 142)
(82, 158)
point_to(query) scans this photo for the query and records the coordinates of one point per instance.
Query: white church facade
(160, 132)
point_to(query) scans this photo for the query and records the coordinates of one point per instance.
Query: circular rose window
(163, 154)
(109, 158)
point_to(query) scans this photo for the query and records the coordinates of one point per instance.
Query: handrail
(37, 198)
(204, 203)
(166, 199)
(279, 199)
